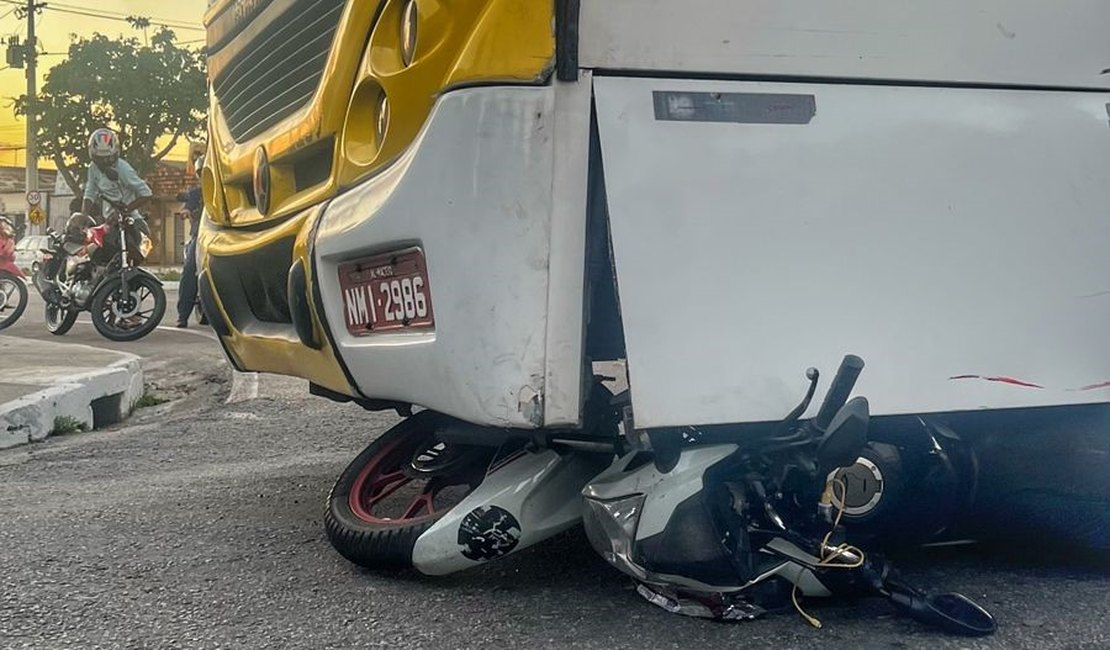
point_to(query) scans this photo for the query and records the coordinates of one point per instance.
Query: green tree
(153, 95)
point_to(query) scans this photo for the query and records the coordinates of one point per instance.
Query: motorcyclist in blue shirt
(112, 179)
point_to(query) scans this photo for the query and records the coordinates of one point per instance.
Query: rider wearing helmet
(111, 178)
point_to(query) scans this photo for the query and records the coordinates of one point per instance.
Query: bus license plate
(386, 293)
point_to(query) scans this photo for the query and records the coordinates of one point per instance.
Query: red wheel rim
(380, 480)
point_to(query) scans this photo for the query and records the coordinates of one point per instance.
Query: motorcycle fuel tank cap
(863, 488)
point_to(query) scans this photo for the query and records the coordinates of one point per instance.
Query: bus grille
(279, 72)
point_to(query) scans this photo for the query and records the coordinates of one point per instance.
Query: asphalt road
(165, 344)
(198, 525)
(180, 364)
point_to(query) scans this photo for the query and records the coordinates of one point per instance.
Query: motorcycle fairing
(661, 528)
(525, 501)
(7, 251)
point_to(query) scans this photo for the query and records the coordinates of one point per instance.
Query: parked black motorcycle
(95, 268)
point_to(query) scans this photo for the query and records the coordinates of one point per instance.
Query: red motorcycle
(95, 267)
(13, 288)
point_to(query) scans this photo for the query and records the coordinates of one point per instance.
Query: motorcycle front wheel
(397, 488)
(13, 299)
(130, 316)
(59, 320)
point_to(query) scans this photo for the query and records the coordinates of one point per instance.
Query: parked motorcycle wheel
(399, 486)
(59, 320)
(13, 299)
(130, 317)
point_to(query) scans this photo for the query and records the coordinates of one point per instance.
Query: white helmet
(104, 146)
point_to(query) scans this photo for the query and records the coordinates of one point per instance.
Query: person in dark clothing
(187, 290)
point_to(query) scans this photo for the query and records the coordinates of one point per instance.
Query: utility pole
(32, 55)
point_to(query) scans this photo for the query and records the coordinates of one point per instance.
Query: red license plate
(386, 292)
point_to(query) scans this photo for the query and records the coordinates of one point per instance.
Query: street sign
(34, 198)
(37, 216)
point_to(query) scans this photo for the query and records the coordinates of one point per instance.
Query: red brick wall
(167, 181)
(164, 214)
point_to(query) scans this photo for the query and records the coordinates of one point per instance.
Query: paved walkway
(42, 381)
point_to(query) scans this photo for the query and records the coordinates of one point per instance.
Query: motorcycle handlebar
(839, 390)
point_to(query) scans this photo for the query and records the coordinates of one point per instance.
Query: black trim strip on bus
(403, 409)
(256, 226)
(566, 39)
(210, 307)
(299, 309)
(1028, 418)
(318, 300)
(212, 312)
(841, 81)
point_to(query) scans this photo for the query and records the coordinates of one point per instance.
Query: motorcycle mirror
(846, 436)
(954, 613)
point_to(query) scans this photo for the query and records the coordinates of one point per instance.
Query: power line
(89, 13)
(124, 15)
(93, 14)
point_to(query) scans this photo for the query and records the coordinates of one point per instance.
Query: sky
(56, 24)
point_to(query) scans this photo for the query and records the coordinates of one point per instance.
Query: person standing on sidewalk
(187, 290)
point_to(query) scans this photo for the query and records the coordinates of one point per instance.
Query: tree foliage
(152, 94)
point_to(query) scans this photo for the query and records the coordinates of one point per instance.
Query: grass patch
(64, 424)
(172, 275)
(149, 399)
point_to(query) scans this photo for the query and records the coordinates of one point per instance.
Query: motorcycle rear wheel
(111, 311)
(396, 489)
(13, 301)
(59, 320)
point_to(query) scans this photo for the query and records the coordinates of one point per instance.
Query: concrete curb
(96, 399)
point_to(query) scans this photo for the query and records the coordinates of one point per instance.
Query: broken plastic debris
(721, 607)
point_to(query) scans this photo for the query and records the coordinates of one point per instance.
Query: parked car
(28, 252)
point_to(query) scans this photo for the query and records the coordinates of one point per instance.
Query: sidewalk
(169, 275)
(44, 386)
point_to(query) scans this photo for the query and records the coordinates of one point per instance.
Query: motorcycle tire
(59, 320)
(21, 291)
(101, 307)
(368, 538)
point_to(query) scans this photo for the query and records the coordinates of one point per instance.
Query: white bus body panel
(937, 232)
(477, 192)
(1020, 42)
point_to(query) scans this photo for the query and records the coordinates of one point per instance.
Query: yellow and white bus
(400, 193)
(463, 205)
